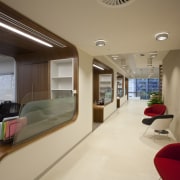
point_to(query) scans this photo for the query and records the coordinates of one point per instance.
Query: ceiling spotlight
(161, 36)
(115, 57)
(100, 43)
(153, 54)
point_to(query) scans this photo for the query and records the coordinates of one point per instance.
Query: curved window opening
(47, 96)
(103, 83)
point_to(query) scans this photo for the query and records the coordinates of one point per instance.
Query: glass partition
(142, 88)
(120, 85)
(37, 117)
(108, 96)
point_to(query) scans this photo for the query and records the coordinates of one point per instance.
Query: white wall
(171, 89)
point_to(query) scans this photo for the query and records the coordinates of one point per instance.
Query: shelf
(61, 77)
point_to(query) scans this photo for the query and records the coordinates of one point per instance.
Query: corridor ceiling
(128, 29)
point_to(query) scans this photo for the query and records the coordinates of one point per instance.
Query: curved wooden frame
(27, 52)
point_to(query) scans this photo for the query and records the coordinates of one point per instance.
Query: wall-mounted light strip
(96, 66)
(28, 30)
(24, 34)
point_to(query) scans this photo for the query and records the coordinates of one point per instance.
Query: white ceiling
(128, 30)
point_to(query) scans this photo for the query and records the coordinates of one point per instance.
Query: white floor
(116, 150)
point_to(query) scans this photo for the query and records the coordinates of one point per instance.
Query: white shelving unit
(62, 81)
(105, 83)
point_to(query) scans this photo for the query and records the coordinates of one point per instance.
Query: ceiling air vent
(115, 3)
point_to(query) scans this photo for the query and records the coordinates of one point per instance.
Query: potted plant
(155, 98)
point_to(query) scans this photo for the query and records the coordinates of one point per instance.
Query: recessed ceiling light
(115, 57)
(161, 36)
(153, 54)
(100, 43)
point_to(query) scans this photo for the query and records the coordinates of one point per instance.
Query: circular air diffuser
(115, 3)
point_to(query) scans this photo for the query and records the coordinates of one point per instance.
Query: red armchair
(167, 162)
(155, 110)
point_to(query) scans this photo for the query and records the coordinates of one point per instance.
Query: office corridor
(116, 150)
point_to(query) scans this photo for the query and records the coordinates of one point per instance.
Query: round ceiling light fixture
(161, 36)
(100, 43)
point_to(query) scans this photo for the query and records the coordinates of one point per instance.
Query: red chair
(155, 110)
(167, 162)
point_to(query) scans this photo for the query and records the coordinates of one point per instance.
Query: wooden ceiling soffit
(13, 44)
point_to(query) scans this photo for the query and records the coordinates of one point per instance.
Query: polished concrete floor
(116, 150)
